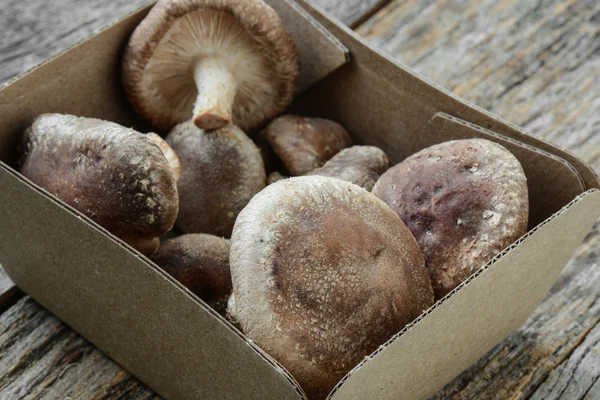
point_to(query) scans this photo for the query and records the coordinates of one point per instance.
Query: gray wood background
(533, 62)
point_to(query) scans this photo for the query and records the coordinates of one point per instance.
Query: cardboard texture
(379, 98)
(477, 315)
(85, 80)
(125, 305)
(171, 340)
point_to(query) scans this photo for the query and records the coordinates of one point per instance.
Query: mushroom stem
(216, 91)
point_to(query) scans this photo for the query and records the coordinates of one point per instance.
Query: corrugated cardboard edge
(47, 197)
(462, 108)
(152, 264)
(590, 199)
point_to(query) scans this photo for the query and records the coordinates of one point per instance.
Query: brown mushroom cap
(275, 177)
(201, 263)
(116, 176)
(215, 61)
(361, 165)
(220, 172)
(463, 200)
(304, 144)
(323, 273)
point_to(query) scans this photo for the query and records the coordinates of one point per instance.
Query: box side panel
(86, 80)
(547, 191)
(463, 327)
(320, 52)
(127, 306)
(382, 101)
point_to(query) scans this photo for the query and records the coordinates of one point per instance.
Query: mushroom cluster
(318, 271)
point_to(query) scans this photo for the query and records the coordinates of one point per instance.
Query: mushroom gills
(209, 67)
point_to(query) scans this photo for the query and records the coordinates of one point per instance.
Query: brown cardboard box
(171, 340)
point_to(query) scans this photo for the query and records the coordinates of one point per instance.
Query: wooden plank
(34, 30)
(535, 64)
(351, 12)
(28, 39)
(530, 62)
(42, 358)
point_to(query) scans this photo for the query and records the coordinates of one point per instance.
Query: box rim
(263, 354)
(590, 177)
(490, 264)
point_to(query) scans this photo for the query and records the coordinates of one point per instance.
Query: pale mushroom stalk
(215, 62)
(216, 92)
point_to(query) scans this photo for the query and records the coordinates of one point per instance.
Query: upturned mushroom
(361, 165)
(116, 176)
(323, 273)
(304, 144)
(200, 262)
(213, 61)
(464, 201)
(220, 172)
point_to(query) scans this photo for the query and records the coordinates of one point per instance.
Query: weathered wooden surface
(33, 30)
(537, 64)
(351, 12)
(534, 62)
(41, 358)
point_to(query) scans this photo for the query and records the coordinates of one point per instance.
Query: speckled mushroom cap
(304, 144)
(464, 201)
(215, 61)
(201, 263)
(220, 172)
(323, 273)
(361, 165)
(116, 176)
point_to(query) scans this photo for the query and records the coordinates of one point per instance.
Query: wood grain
(534, 63)
(28, 39)
(350, 12)
(41, 358)
(531, 62)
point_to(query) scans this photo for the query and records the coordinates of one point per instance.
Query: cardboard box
(158, 330)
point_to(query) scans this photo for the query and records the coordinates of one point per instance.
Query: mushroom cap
(200, 262)
(463, 200)
(361, 165)
(230, 313)
(116, 176)
(220, 172)
(323, 273)
(168, 153)
(275, 177)
(248, 36)
(304, 144)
